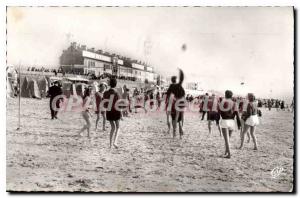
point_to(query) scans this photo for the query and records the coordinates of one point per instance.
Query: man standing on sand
(204, 109)
(176, 104)
(54, 91)
(171, 87)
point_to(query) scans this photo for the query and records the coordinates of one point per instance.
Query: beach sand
(47, 155)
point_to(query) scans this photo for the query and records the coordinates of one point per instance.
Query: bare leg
(97, 120)
(252, 132)
(174, 123)
(145, 107)
(88, 125)
(180, 124)
(112, 124)
(116, 134)
(180, 130)
(209, 127)
(203, 114)
(168, 122)
(226, 139)
(182, 118)
(82, 129)
(245, 130)
(219, 128)
(122, 114)
(104, 121)
(230, 132)
(248, 135)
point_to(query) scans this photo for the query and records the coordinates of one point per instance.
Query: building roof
(77, 78)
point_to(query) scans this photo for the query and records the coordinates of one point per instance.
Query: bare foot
(227, 156)
(116, 146)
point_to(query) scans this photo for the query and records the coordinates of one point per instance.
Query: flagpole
(19, 118)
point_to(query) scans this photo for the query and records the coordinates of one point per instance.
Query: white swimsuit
(228, 124)
(252, 120)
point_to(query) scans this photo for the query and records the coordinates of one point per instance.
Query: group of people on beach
(226, 111)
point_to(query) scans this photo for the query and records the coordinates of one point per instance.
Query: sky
(224, 45)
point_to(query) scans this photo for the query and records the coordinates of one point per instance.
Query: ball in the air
(183, 47)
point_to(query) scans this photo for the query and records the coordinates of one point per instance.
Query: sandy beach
(47, 155)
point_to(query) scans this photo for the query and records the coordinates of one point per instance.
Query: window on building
(115, 69)
(106, 66)
(91, 63)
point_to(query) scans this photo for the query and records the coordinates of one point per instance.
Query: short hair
(173, 79)
(251, 97)
(113, 82)
(228, 94)
(103, 85)
(87, 92)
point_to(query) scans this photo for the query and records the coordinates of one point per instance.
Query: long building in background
(80, 60)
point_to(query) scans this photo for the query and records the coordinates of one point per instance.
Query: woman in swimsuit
(228, 111)
(252, 120)
(113, 114)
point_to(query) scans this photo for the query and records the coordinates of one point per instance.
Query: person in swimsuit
(53, 92)
(86, 111)
(126, 106)
(228, 111)
(212, 113)
(99, 98)
(252, 120)
(176, 97)
(168, 112)
(203, 102)
(292, 105)
(158, 100)
(113, 115)
(151, 97)
(243, 118)
(282, 106)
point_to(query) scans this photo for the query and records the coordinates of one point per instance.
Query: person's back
(108, 95)
(178, 91)
(99, 98)
(252, 109)
(212, 104)
(282, 105)
(54, 91)
(227, 109)
(151, 96)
